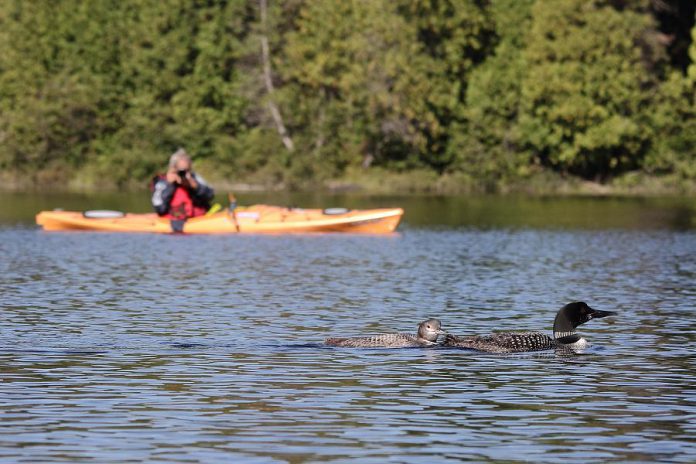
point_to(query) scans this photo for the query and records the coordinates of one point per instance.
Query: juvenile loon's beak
(441, 332)
(596, 314)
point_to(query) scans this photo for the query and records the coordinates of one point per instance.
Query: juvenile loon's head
(429, 330)
(574, 314)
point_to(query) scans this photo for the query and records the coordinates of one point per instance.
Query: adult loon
(564, 336)
(428, 331)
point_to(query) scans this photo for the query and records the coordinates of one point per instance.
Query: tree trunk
(268, 81)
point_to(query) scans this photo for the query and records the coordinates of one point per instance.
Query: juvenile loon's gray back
(564, 335)
(428, 331)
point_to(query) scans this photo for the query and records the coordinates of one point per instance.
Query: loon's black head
(430, 330)
(574, 314)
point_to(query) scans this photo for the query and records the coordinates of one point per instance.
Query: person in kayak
(181, 193)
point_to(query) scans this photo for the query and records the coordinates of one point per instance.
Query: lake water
(128, 348)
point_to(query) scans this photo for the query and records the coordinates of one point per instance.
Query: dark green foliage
(586, 88)
(674, 120)
(487, 146)
(359, 78)
(487, 92)
(456, 36)
(115, 86)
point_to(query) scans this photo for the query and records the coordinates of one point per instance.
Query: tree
(488, 91)
(180, 81)
(354, 73)
(486, 145)
(692, 56)
(51, 94)
(586, 88)
(113, 87)
(673, 116)
(456, 36)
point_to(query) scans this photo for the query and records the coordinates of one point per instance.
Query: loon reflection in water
(564, 335)
(428, 331)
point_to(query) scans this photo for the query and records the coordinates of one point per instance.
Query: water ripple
(132, 348)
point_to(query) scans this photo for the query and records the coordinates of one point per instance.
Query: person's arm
(202, 190)
(162, 196)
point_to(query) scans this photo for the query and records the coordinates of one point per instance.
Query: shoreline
(416, 183)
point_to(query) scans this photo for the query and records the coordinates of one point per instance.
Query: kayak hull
(257, 219)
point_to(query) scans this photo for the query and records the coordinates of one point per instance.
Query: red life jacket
(182, 206)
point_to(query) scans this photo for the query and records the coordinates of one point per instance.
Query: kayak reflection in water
(181, 193)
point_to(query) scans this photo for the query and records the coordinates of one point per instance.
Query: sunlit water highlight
(144, 347)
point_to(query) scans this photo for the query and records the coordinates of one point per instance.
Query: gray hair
(178, 155)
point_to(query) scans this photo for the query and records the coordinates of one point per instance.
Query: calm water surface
(118, 348)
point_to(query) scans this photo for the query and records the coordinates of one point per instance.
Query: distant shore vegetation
(383, 95)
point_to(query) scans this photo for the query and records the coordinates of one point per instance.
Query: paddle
(231, 208)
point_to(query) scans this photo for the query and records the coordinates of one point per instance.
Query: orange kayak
(251, 220)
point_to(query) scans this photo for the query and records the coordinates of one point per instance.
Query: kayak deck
(252, 219)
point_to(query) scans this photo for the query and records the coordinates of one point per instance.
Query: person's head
(180, 161)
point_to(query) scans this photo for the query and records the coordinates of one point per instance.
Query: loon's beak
(440, 332)
(597, 314)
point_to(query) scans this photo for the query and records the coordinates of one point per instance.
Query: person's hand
(190, 181)
(187, 180)
(173, 177)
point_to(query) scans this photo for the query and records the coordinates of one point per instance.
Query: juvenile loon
(428, 331)
(564, 336)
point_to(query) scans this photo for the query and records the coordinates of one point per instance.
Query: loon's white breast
(579, 345)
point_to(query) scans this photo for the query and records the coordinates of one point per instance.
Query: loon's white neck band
(558, 335)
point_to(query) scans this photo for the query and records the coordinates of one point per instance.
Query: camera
(182, 173)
